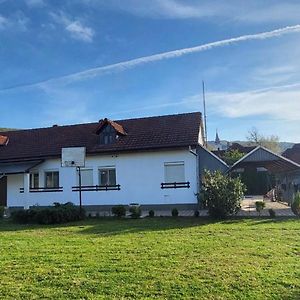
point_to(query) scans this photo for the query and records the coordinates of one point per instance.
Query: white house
(154, 161)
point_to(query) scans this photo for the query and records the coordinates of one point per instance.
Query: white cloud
(277, 74)
(17, 21)
(76, 29)
(3, 22)
(65, 106)
(277, 103)
(255, 11)
(271, 13)
(118, 67)
(170, 9)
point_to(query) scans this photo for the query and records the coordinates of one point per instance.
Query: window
(34, 180)
(86, 177)
(174, 172)
(107, 135)
(52, 179)
(107, 176)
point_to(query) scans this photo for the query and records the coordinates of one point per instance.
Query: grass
(165, 258)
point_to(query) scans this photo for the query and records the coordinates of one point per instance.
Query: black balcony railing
(175, 185)
(96, 188)
(43, 190)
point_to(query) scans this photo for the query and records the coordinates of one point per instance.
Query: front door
(3, 191)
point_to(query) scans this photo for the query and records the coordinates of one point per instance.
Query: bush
(196, 213)
(151, 213)
(24, 216)
(272, 213)
(2, 209)
(260, 205)
(118, 211)
(59, 213)
(296, 204)
(135, 211)
(222, 194)
(174, 212)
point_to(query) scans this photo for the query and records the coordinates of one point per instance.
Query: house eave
(103, 152)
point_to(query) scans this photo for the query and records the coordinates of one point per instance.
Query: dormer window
(107, 135)
(3, 140)
(109, 131)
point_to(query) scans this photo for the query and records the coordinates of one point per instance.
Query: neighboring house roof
(172, 131)
(234, 146)
(293, 153)
(241, 148)
(263, 157)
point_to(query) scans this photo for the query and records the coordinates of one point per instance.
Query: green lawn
(152, 258)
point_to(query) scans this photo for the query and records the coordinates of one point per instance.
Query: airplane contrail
(122, 66)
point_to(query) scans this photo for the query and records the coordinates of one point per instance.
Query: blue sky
(52, 53)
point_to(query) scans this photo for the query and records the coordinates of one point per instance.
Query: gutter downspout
(197, 173)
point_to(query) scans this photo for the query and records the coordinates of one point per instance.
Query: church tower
(218, 141)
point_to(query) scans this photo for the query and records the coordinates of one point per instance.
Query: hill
(283, 145)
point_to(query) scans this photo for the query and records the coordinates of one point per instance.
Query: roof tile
(141, 134)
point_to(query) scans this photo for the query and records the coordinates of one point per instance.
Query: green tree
(222, 194)
(232, 156)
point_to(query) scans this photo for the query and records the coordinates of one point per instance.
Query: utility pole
(80, 190)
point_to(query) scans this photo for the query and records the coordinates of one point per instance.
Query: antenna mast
(204, 111)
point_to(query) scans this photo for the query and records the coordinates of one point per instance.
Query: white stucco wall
(139, 174)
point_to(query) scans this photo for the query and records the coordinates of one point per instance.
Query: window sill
(175, 185)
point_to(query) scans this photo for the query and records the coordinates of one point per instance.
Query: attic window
(109, 131)
(3, 140)
(107, 135)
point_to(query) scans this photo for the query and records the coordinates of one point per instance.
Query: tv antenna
(204, 111)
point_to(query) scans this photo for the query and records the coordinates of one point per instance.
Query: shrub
(196, 213)
(222, 194)
(135, 211)
(272, 213)
(118, 211)
(296, 204)
(59, 213)
(174, 212)
(260, 205)
(24, 216)
(2, 209)
(151, 213)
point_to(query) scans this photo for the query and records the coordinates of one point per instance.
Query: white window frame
(45, 178)
(174, 163)
(104, 168)
(31, 179)
(83, 170)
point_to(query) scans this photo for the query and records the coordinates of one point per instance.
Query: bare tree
(271, 142)
(253, 136)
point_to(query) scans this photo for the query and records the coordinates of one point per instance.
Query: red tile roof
(172, 131)
(118, 128)
(3, 140)
(293, 153)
